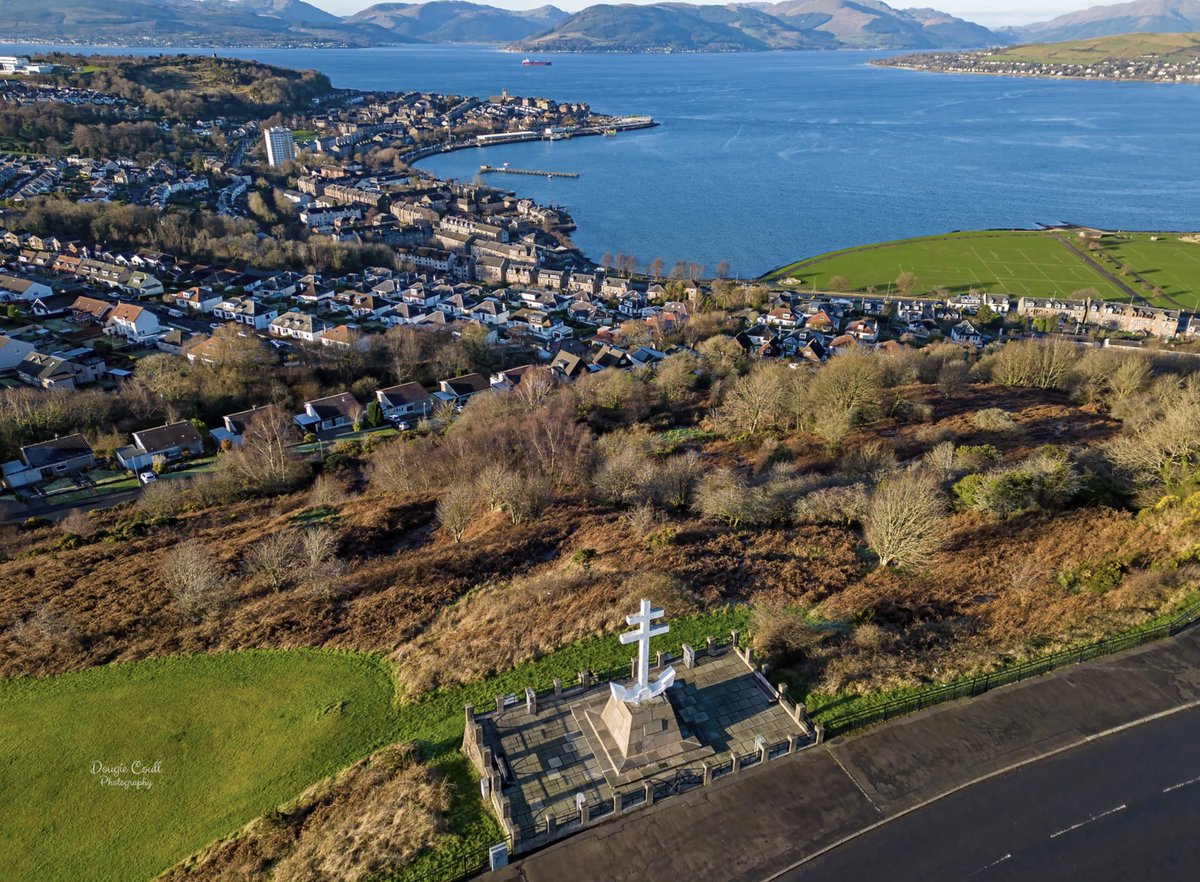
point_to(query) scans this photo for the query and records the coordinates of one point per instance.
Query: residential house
(404, 401)
(245, 311)
(345, 337)
(234, 425)
(965, 333)
(48, 460)
(23, 288)
(13, 352)
(135, 323)
(91, 311)
(171, 442)
(299, 326)
(46, 371)
(865, 330)
(196, 300)
(459, 390)
(332, 412)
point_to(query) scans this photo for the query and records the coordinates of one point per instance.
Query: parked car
(147, 478)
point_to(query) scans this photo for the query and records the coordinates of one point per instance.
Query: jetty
(505, 170)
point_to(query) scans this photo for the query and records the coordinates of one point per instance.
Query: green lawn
(1020, 263)
(1169, 264)
(236, 734)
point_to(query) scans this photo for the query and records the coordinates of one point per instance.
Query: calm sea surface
(767, 157)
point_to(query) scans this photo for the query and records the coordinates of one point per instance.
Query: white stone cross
(644, 689)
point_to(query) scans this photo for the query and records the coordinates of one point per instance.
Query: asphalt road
(1123, 808)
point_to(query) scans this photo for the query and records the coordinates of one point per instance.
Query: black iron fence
(839, 725)
(454, 870)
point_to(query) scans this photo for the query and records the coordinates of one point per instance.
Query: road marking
(989, 866)
(1112, 811)
(1180, 784)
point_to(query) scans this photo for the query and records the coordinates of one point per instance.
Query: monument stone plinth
(636, 726)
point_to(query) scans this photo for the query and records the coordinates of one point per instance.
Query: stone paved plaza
(551, 760)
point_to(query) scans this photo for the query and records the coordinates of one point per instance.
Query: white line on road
(989, 866)
(1180, 784)
(1112, 811)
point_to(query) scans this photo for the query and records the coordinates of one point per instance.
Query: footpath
(757, 824)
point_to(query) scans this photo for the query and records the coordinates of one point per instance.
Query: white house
(19, 288)
(298, 326)
(134, 323)
(245, 311)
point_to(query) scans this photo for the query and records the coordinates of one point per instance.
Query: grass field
(1169, 264)
(1019, 263)
(236, 734)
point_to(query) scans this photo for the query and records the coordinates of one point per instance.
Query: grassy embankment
(1165, 272)
(237, 734)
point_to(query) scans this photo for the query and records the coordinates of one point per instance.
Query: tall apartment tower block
(280, 146)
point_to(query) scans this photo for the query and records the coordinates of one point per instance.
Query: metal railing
(454, 870)
(977, 685)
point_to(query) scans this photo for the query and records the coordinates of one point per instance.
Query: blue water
(766, 157)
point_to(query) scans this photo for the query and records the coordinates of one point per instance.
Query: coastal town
(444, 259)
(1009, 62)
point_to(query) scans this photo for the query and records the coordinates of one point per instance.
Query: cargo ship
(529, 62)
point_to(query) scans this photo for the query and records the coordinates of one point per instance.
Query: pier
(505, 170)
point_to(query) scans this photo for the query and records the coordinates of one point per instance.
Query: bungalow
(405, 400)
(46, 371)
(134, 323)
(568, 365)
(48, 460)
(52, 305)
(141, 284)
(299, 326)
(196, 299)
(91, 311)
(490, 311)
(864, 330)
(245, 311)
(345, 337)
(13, 352)
(22, 288)
(234, 425)
(331, 412)
(964, 332)
(460, 389)
(171, 442)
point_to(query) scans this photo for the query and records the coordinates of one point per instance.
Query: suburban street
(1122, 807)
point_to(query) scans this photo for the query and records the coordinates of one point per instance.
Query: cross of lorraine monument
(637, 729)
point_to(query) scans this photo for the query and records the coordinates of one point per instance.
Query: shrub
(456, 507)
(872, 461)
(163, 498)
(195, 578)
(1047, 480)
(784, 635)
(77, 523)
(993, 419)
(841, 506)
(326, 492)
(723, 495)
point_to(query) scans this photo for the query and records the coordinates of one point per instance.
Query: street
(1119, 808)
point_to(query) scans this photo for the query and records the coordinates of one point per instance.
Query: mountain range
(790, 24)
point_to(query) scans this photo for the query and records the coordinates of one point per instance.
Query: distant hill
(183, 23)
(794, 24)
(1123, 47)
(876, 25)
(1140, 16)
(452, 21)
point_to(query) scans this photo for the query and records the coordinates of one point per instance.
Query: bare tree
(194, 576)
(656, 267)
(1040, 364)
(77, 523)
(906, 282)
(906, 520)
(274, 558)
(264, 460)
(323, 568)
(722, 269)
(606, 262)
(456, 508)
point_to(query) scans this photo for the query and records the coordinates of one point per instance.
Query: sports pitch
(1020, 263)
